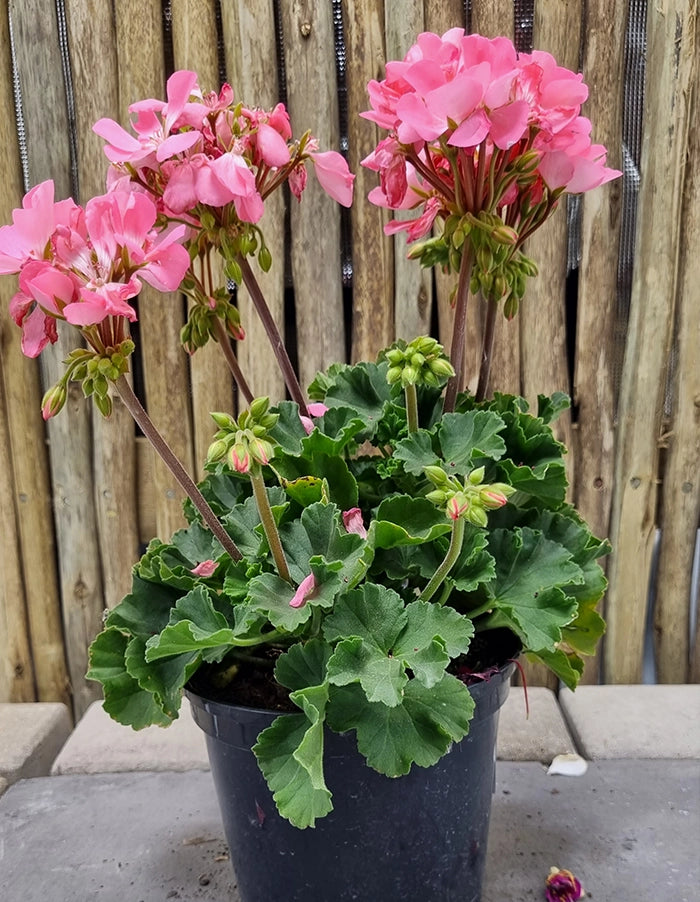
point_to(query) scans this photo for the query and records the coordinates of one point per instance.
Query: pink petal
(176, 144)
(352, 520)
(272, 146)
(509, 123)
(206, 568)
(472, 131)
(306, 588)
(334, 176)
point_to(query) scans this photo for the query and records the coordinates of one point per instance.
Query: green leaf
(305, 490)
(381, 676)
(194, 626)
(290, 756)
(288, 431)
(545, 481)
(550, 408)
(304, 664)
(271, 595)
(163, 679)
(370, 612)
(362, 387)
(419, 730)
(243, 523)
(145, 611)
(584, 633)
(403, 520)
(567, 666)
(465, 436)
(531, 573)
(416, 451)
(428, 621)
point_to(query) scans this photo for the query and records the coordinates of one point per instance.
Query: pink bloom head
(304, 592)
(352, 520)
(562, 886)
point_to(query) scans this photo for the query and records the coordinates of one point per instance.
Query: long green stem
(231, 360)
(166, 454)
(459, 330)
(487, 350)
(268, 521)
(273, 334)
(453, 551)
(411, 407)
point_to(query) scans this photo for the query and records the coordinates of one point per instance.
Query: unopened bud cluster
(95, 371)
(245, 444)
(422, 362)
(468, 500)
(199, 327)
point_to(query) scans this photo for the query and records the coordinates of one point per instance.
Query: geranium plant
(362, 552)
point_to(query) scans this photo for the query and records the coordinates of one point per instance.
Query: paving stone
(634, 721)
(537, 737)
(99, 745)
(627, 829)
(31, 735)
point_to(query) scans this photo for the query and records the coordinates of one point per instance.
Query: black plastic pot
(418, 838)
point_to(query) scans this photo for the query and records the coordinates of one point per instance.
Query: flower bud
(441, 366)
(477, 516)
(437, 497)
(258, 408)
(476, 477)
(239, 458)
(223, 420)
(53, 401)
(217, 451)
(436, 475)
(504, 234)
(265, 258)
(458, 506)
(491, 499)
(261, 451)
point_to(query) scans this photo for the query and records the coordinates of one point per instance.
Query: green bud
(510, 308)
(504, 234)
(265, 258)
(477, 516)
(103, 403)
(53, 401)
(441, 366)
(269, 420)
(259, 408)
(207, 220)
(233, 271)
(436, 475)
(394, 356)
(476, 477)
(437, 497)
(223, 420)
(217, 451)
(393, 374)
(409, 375)
(458, 238)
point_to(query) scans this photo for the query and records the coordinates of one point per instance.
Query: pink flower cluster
(460, 108)
(84, 265)
(196, 150)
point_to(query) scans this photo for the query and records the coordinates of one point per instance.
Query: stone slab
(538, 736)
(627, 829)
(3, 785)
(634, 721)
(31, 735)
(100, 745)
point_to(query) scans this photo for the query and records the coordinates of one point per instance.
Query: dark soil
(251, 684)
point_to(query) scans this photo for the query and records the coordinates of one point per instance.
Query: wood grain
(250, 51)
(315, 222)
(670, 63)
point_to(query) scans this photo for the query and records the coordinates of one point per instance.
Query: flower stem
(453, 551)
(285, 364)
(487, 350)
(268, 521)
(411, 407)
(459, 330)
(165, 452)
(225, 345)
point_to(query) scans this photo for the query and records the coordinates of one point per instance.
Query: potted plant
(364, 561)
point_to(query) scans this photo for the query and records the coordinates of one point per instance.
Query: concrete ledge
(634, 721)
(538, 737)
(99, 745)
(3, 785)
(31, 735)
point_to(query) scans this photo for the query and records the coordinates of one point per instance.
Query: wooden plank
(194, 43)
(161, 316)
(16, 672)
(40, 73)
(27, 474)
(680, 507)
(373, 253)
(543, 311)
(315, 222)
(493, 18)
(95, 83)
(250, 50)
(670, 55)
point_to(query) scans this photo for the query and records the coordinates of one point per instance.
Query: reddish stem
(232, 360)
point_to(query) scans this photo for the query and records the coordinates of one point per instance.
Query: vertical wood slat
(413, 285)
(16, 670)
(670, 56)
(161, 316)
(26, 474)
(373, 254)
(250, 51)
(47, 129)
(315, 222)
(680, 506)
(94, 77)
(493, 18)
(194, 47)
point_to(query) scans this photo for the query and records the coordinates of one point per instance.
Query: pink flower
(352, 520)
(206, 568)
(32, 228)
(334, 176)
(316, 409)
(304, 592)
(562, 886)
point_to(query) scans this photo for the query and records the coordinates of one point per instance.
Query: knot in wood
(305, 29)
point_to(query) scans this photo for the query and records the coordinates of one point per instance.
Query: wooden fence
(614, 318)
